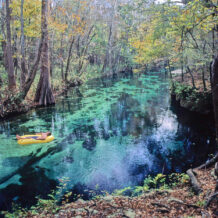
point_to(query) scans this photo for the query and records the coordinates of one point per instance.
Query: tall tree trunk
(86, 41)
(213, 39)
(182, 69)
(69, 58)
(32, 73)
(10, 69)
(51, 55)
(15, 51)
(44, 95)
(3, 43)
(192, 77)
(168, 62)
(203, 79)
(5, 58)
(23, 61)
(61, 57)
(110, 43)
(214, 86)
(182, 58)
(107, 60)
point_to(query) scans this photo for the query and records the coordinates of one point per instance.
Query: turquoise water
(110, 134)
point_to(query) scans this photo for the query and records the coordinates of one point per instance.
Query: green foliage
(121, 191)
(92, 71)
(191, 98)
(181, 90)
(11, 102)
(139, 189)
(179, 33)
(158, 181)
(18, 211)
(165, 182)
(43, 205)
(176, 179)
(31, 19)
(201, 203)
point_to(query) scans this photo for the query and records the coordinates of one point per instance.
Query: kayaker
(39, 136)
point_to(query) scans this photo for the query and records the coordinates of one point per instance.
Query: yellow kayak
(33, 140)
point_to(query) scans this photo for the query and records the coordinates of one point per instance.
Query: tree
(23, 61)
(44, 95)
(10, 64)
(214, 80)
(25, 24)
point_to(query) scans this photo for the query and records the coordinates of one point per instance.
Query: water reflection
(113, 134)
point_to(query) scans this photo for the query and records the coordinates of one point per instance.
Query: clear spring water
(111, 134)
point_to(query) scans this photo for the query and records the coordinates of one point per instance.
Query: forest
(128, 91)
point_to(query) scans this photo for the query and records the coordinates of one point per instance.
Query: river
(110, 135)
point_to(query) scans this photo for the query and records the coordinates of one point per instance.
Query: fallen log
(208, 163)
(216, 175)
(178, 201)
(211, 198)
(195, 185)
(162, 210)
(160, 205)
(216, 169)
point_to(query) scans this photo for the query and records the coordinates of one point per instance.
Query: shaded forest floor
(187, 80)
(176, 202)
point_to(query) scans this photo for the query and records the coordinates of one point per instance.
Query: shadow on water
(111, 133)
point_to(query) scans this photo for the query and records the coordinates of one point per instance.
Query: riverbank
(11, 106)
(193, 99)
(196, 99)
(179, 200)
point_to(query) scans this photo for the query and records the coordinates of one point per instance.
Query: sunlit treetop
(31, 14)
